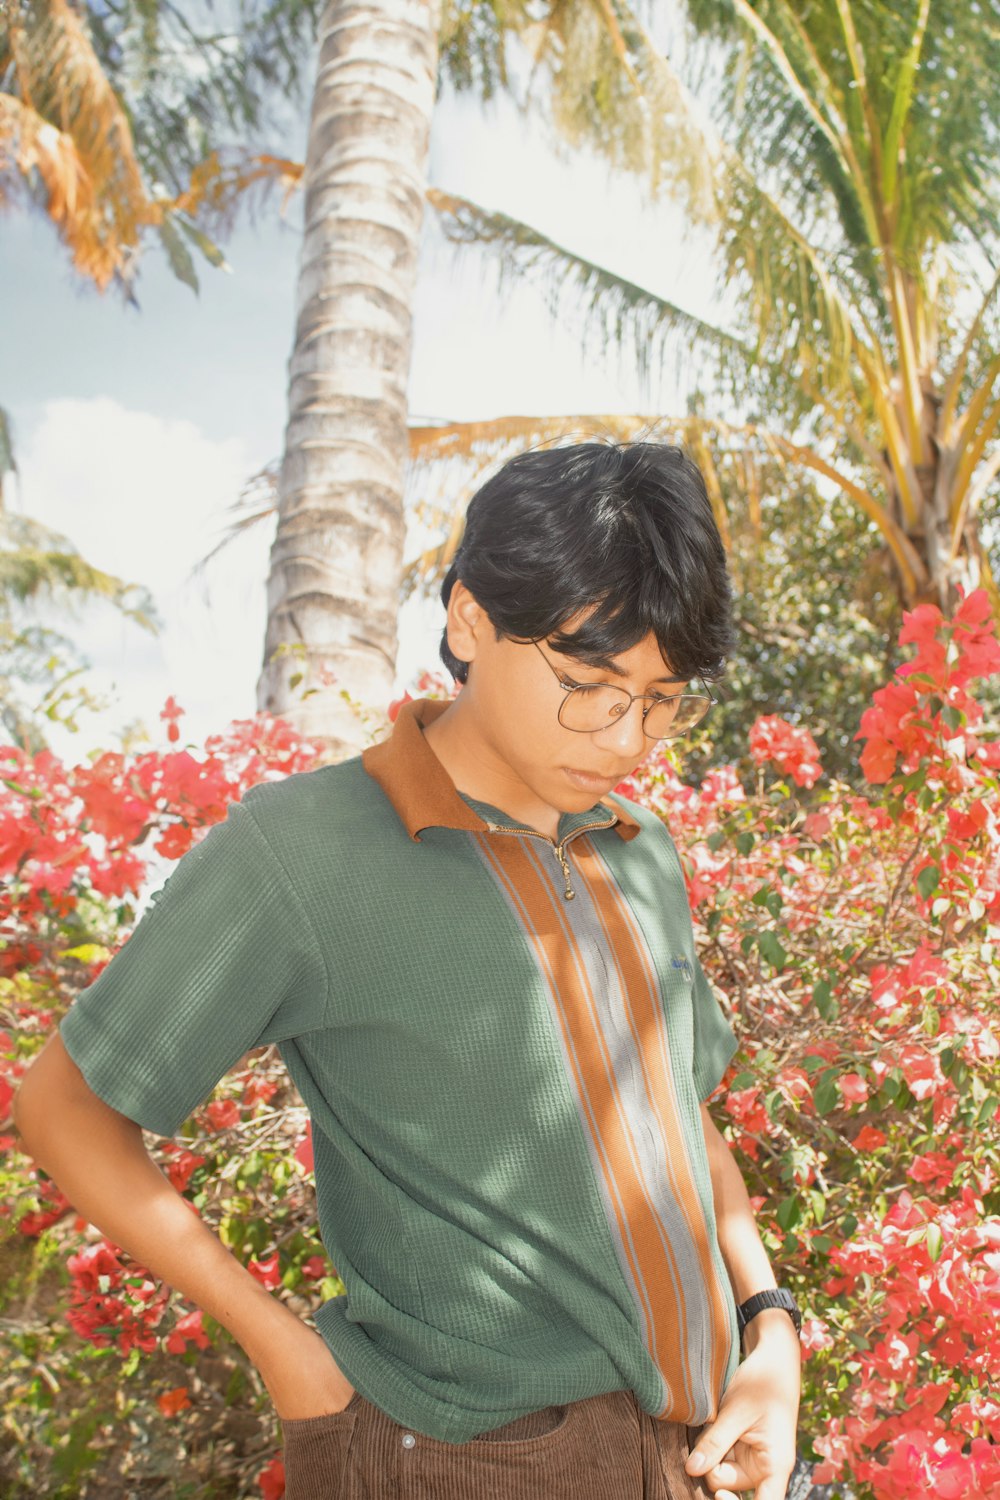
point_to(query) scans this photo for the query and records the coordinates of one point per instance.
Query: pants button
(408, 1440)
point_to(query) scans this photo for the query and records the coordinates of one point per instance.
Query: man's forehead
(646, 650)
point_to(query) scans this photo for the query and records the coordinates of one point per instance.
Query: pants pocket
(315, 1452)
(532, 1428)
(537, 1457)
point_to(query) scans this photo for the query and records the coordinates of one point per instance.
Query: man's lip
(593, 775)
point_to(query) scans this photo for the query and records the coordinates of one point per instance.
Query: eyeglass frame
(656, 697)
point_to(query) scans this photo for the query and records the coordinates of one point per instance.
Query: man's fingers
(773, 1488)
(731, 1475)
(715, 1443)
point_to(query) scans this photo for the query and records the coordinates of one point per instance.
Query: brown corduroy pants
(603, 1448)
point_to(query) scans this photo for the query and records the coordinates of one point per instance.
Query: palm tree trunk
(333, 584)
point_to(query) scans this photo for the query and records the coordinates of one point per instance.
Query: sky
(135, 429)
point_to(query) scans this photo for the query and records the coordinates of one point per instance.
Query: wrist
(264, 1322)
(771, 1326)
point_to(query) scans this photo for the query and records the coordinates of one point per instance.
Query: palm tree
(852, 196)
(335, 560)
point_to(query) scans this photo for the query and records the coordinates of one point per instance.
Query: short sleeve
(222, 960)
(715, 1042)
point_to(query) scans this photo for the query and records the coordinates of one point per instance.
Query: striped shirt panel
(608, 1010)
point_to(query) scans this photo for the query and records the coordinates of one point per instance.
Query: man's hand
(751, 1443)
(301, 1375)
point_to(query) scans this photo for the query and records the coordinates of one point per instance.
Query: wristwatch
(773, 1297)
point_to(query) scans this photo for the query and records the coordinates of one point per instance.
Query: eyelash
(569, 683)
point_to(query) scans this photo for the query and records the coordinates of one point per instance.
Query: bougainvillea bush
(856, 940)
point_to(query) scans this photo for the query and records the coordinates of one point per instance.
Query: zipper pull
(569, 892)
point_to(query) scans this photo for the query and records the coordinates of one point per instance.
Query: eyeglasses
(592, 706)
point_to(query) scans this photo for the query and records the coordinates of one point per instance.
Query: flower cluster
(792, 749)
(928, 1276)
(110, 1303)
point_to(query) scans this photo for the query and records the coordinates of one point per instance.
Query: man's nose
(625, 732)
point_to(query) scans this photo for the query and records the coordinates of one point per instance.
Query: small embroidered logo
(685, 964)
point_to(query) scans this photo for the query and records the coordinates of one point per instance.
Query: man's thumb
(712, 1446)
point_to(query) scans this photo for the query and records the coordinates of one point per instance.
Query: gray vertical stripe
(697, 1296)
(649, 1152)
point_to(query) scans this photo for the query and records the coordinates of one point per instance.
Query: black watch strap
(772, 1297)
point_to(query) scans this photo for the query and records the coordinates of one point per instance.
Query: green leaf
(770, 949)
(789, 1212)
(823, 1000)
(178, 253)
(827, 1095)
(818, 1202)
(744, 842)
(716, 840)
(773, 1102)
(743, 1080)
(208, 248)
(928, 881)
(935, 1241)
(987, 1110)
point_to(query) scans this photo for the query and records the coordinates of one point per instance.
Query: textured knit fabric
(602, 1448)
(502, 1042)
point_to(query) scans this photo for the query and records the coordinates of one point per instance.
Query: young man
(478, 963)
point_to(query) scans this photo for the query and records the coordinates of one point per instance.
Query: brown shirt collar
(419, 787)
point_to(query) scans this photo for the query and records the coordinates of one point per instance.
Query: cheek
(532, 732)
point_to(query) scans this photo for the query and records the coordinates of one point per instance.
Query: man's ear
(465, 621)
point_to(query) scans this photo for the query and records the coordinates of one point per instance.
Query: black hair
(627, 527)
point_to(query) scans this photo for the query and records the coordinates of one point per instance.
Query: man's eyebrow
(605, 664)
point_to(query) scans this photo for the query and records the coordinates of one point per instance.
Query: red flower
(272, 1480)
(171, 712)
(266, 1271)
(793, 750)
(223, 1113)
(171, 1402)
(303, 1152)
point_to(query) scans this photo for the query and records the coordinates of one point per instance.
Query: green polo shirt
(502, 1041)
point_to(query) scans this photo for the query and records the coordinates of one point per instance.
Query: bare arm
(741, 1245)
(97, 1157)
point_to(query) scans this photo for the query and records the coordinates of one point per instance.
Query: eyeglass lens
(589, 708)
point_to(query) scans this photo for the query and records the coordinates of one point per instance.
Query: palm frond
(66, 123)
(634, 313)
(37, 563)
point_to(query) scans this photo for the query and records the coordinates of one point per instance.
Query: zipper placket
(569, 892)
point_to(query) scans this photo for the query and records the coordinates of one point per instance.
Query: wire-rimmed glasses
(589, 707)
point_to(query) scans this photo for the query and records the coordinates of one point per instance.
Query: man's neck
(476, 770)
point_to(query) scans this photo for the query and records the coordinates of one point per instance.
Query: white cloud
(144, 497)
